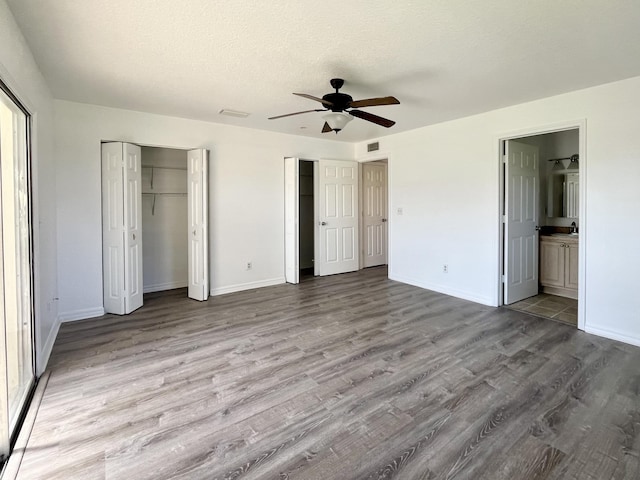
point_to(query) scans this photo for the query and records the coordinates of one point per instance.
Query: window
(17, 372)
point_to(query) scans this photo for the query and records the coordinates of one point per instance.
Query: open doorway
(335, 216)
(154, 223)
(542, 209)
(306, 219)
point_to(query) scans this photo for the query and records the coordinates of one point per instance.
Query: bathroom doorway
(541, 210)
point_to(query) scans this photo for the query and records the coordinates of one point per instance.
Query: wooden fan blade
(374, 102)
(296, 113)
(370, 117)
(311, 97)
(326, 128)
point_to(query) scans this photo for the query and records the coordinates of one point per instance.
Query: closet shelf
(164, 168)
(153, 168)
(163, 194)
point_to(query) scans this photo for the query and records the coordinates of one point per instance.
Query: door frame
(376, 157)
(379, 156)
(186, 150)
(361, 163)
(581, 126)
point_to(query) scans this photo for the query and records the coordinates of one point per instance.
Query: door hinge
(504, 159)
(503, 278)
(504, 219)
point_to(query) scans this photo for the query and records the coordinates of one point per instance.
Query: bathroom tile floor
(562, 309)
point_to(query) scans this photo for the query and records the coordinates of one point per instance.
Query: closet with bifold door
(154, 223)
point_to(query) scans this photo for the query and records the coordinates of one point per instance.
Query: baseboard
(80, 314)
(159, 287)
(621, 337)
(47, 348)
(246, 286)
(442, 289)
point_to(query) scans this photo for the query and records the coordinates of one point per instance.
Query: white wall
(19, 71)
(446, 178)
(246, 195)
(165, 239)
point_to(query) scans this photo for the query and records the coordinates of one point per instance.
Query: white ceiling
(443, 59)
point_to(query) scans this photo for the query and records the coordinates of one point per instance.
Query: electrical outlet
(249, 265)
(445, 268)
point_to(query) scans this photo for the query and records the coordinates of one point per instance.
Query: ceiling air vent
(373, 147)
(233, 113)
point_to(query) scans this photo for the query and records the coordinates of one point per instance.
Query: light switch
(399, 211)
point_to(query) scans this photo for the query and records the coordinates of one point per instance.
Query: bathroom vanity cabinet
(559, 265)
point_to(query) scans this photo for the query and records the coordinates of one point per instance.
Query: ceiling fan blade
(296, 113)
(326, 128)
(370, 117)
(311, 97)
(374, 102)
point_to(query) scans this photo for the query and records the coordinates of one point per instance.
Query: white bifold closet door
(122, 228)
(198, 200)
(291, 227)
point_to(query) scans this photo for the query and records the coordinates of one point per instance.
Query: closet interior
(306, 218)
(164, 219)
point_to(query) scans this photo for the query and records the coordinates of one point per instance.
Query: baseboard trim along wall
(47, 348)
(621, 337)
(80, 314)
(246, 286)
(164, 286)
(445, 290)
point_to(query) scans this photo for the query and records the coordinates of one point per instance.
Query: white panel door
(338, 216)
(521, 236)
(291, 228)
(113, 228)
(133, 281)
(198, 200)
(374, 214)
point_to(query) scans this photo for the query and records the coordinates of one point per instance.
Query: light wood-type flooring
(346, 377)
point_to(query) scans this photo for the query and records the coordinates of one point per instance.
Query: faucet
(574, 228)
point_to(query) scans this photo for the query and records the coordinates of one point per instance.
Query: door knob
(538, 228)
(323, 223)
(194, 233)
(134, 236)
(384, 220)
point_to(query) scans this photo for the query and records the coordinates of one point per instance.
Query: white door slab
(121, 228)
(133, 282)
(113, 228)
(374, 214)
(521, 236)
(197, 193)
(338, 216)
(291, 227)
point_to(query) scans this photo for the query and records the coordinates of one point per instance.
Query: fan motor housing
(340, 101)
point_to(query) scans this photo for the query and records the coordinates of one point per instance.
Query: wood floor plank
(346, 377)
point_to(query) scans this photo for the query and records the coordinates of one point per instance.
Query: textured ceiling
(443, 59)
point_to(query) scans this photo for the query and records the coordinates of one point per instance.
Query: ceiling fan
(343, 108)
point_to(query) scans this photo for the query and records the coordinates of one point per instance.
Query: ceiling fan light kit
(337, 120)
(340, 103)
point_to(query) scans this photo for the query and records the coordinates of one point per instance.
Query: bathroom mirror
(563, 195)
